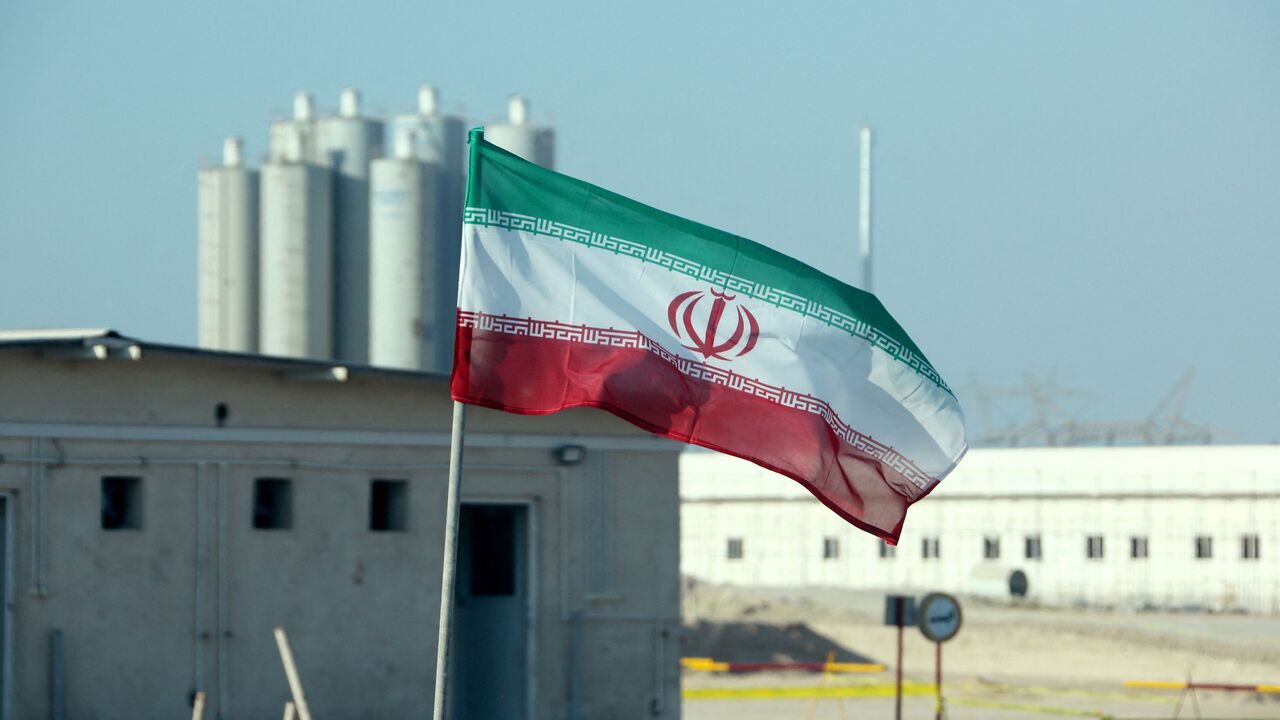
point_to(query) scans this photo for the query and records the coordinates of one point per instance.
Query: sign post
(937, 681)
(940, 620)
(897, 666)
(899, 610)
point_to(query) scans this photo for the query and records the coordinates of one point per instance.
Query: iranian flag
(573, 296)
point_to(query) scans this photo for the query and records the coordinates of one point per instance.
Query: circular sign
(939, 617)
(1018, 584)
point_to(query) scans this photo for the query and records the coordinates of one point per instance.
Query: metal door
(488, 665)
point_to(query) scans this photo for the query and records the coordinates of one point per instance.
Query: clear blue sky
(1086, 189)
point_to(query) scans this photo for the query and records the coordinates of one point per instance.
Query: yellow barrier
(852, 667)
(705, 664)
(1154, 685)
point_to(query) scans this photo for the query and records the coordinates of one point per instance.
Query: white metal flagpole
(864, 207)
(449, 568)
(447, 572)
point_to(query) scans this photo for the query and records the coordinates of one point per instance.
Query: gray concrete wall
(189, 600)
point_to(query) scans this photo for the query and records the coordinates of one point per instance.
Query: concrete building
(163, 508)
(1190, 527)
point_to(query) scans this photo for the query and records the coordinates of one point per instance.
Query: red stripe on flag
(536, 376)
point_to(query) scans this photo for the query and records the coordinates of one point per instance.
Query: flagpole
(450, 564)
(864, 206)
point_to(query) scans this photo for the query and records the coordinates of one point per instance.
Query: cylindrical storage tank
(518, 136)
(228, 253)
(441, 141)
(294, 140)
(434, 137)
(347, 143)
(406, 302)
(296, 261)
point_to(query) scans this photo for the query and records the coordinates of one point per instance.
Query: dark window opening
(929, 550)
(272, 504)
(1138, 547)
(493, 550)
(1250, 547)
(734, 550)
(830, 548)
(1204, 547)
(887, 551)
(991, 548)
(389, 505)
(1093, 547)
(1031, 549)
(121, 503)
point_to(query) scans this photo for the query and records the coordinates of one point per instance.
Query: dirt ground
(1006, 662)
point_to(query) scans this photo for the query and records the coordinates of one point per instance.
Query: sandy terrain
(1006, 661)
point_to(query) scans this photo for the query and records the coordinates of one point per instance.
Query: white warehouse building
(1188, 527)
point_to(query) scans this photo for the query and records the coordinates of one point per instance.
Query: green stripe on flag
(520, 190)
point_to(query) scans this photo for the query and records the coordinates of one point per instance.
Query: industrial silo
(405, 300)
(438, 140)
(296, 259)
(347, 143)
(532, 143)
(295, 138)
(433, 136)
(228, 253)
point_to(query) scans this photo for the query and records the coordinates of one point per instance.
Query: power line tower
(1051, 424)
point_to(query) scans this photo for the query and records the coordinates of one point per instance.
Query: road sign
(891, 610)
(899, 611)
(939, 617)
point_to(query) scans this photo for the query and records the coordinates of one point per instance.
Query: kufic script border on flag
(613, 337)
(788, 301)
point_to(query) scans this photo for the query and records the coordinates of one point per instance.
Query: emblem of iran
(722, 329)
